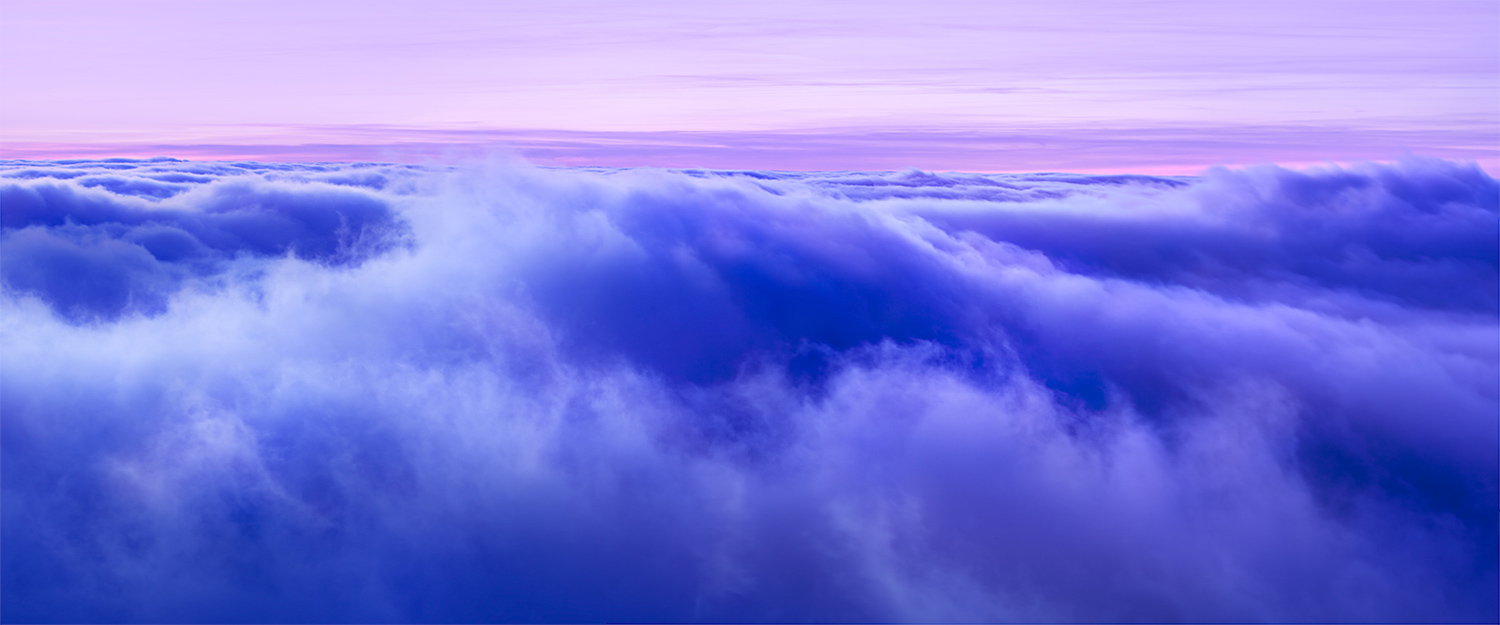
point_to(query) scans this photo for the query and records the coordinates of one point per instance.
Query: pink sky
(1167, 87)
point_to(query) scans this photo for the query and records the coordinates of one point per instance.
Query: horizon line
(1147, 151)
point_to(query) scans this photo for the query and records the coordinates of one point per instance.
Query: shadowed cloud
(324, 392)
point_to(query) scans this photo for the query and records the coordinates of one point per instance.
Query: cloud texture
(249, 392)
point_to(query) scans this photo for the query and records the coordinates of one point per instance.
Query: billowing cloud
(366, 393)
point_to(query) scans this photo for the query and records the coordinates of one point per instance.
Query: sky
(1147, 87)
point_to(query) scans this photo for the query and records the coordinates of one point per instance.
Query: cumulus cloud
(349, 392)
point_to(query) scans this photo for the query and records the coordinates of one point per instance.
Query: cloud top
(501, 393)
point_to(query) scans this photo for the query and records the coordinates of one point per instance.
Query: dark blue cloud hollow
(363, 393)
(104, 244)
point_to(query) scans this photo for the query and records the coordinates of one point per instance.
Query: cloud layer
(249, 392)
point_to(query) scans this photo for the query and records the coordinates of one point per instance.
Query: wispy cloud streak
(1157, 86)
(1180, 149)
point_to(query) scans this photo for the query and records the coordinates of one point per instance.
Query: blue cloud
(349, 392)
(101, 246)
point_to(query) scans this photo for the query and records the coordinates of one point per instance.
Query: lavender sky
(1163, 87)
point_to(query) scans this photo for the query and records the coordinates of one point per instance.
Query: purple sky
(985, 86)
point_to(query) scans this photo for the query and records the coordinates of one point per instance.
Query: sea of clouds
(358, 392)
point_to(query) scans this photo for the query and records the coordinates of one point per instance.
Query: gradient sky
(988, 86)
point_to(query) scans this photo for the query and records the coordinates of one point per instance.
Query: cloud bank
(252, 392)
